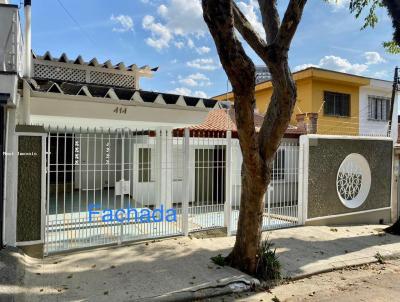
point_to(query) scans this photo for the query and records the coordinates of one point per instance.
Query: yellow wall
(333, 124)
(311, 84)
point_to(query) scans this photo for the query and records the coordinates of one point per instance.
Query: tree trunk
(258, 150)
(255, 182)
(244, 255)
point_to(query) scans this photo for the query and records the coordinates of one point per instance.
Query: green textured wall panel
(325, 158)
(29, 188)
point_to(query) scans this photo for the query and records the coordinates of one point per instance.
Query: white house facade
(81, 137)
(374, 108)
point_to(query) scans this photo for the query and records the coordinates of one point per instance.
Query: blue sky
(171, 34)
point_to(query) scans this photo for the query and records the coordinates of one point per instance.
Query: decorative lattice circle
(353, 180)
(349, 184)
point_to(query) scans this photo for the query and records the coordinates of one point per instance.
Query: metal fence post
(269, 196)
(303, 180)
(186, 182)
(228, 184)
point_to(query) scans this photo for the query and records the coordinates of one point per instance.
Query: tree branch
(290, 22)
(247, 31)
(270, 18)
(218, 14)
(279, 111)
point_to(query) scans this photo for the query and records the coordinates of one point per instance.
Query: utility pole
(396, 87)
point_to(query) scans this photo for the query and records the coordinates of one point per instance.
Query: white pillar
(302, 196)
(228, 184)
(186, 182)
(11, 177)
(164, 159)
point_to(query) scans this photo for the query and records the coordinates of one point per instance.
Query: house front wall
(335, 124)
(65, 111)
(311, 85)
(367, 125)
(304, 98)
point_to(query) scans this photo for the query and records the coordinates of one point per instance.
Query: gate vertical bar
(186, 182)
(269, 196)
(48, 223)
(228, 184)
(122, 186)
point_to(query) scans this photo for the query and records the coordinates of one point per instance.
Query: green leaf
(391, 47)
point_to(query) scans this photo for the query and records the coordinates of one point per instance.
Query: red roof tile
(224, 119)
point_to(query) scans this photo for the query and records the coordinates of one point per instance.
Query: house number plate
(120, 110)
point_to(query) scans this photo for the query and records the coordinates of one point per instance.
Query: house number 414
(120, 110)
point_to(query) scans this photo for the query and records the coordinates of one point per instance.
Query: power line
(84, 32)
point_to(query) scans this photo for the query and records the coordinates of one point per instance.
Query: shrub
(219, 260)
(268, 267)
(379, 258)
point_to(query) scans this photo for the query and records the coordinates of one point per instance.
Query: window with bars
(336, 104)
(378, 108)
(278, 169)
(144, 165)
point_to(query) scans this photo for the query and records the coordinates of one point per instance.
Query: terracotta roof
(217, 120)
(224, 119)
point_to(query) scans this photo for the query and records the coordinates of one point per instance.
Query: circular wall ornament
(353, 180)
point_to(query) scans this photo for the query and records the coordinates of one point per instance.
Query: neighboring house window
(278, 170)
(378, 108)
(144, 164)
(336, 104)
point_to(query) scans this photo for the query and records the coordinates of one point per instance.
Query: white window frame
(372, 109)
(152, 162)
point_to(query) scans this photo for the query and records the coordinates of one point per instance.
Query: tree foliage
(359, 7)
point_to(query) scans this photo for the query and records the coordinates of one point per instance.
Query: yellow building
(335, 96)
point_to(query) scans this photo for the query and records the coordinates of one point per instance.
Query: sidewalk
(177, 269)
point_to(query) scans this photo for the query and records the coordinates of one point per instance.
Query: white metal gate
(281, 208)
(195, 174)
(120, 172)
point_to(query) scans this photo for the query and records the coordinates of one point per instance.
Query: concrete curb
(245, 284)
(219, 288)
(343, 264)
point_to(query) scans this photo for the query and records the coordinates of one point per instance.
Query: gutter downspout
(3, 134)
(28, 63)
